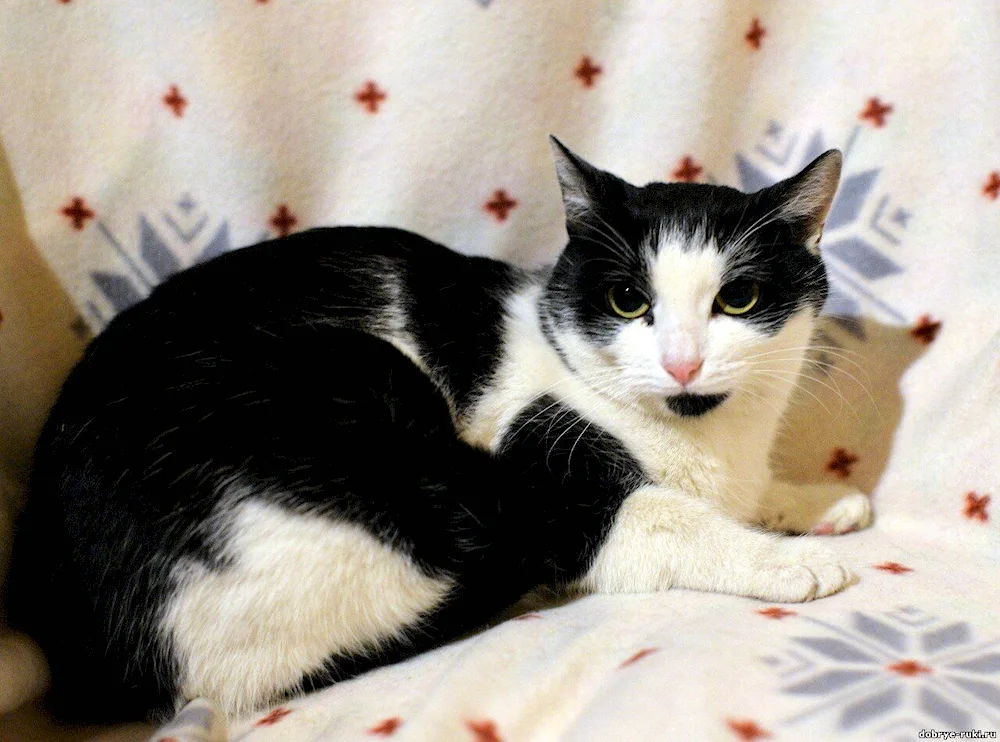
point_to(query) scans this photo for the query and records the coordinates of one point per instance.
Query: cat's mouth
(694, 405)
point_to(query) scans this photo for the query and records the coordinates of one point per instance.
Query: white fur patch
(299, 589)
(530, 367)
(662, 538)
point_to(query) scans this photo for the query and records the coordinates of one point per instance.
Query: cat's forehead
(684, 264)
(693, 217)
(688, 205)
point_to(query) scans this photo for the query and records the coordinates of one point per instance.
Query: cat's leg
(662, 539)
(607, 529)
(821, 509)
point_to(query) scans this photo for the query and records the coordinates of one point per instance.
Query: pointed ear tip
(833, 156)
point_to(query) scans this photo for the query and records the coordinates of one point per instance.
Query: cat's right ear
(578, 180)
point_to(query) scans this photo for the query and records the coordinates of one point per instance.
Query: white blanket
(145, 137)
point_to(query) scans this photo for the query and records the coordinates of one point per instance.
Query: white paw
(819, 509)
(795, 570)
(850, 513)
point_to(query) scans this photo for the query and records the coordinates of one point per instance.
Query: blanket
(143, 139)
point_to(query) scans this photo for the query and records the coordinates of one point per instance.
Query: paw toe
(803, 572)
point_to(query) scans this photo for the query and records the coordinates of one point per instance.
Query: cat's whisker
(843, 400)
(828, 350)
(761, 397)
(621, 240)
(794, 354)
(830, 368)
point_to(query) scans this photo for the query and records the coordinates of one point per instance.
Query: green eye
(627, 301)
(738, 297)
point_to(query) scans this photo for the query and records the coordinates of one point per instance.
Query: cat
(333, 450)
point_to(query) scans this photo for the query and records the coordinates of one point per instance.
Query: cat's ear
(578, 180)
(804, 200)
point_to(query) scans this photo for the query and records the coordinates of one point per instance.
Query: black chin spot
(694, 405)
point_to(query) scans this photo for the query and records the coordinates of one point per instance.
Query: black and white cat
(330, 451)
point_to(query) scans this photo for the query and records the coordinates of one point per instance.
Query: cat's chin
(695, 405)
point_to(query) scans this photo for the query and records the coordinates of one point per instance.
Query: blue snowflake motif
(893, 675)
(861, 230)
(183, 239)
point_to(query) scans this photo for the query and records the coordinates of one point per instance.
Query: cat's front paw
(794, 571)
(818, 509)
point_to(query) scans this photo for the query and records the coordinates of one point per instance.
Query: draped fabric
(143, 138)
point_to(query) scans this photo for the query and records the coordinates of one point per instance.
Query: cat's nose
(683, 371)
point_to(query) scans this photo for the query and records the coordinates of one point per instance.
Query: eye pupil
(738, 293)
(628, 298)
(738, 297)
(627, 301)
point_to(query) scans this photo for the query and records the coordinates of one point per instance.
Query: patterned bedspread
(143, 140)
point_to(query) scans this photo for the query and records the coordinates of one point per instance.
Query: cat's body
(323, 453)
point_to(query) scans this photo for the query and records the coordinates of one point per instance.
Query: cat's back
(239, 306)
(328, 272)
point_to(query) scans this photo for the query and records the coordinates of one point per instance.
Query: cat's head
(680, 296)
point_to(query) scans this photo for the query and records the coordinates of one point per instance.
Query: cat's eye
(738, 297)
(627, 301)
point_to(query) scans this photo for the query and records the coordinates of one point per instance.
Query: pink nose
(683, 371)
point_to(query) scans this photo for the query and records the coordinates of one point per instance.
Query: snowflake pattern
(862, 230)
(902, 671)
(180, 238)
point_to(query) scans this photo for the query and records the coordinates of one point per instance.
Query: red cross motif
(925, 330)
(894, 568)
(638, 656)
(485, 731)
(756, 33)
(975, 507)
(991, 189)
(840, 462)
(687, 170)
(370, 96)
(908, 668)
(747, 729)
(387, 727)
(500, 205)
(273, 718)
(78, 213)
(875, 112)
(283, 220)
(175, 101)
(776, 612)
(587, 72)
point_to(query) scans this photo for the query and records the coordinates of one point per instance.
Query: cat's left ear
(578, 179)
(804, 200)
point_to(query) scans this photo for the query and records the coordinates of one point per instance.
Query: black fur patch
(694, 405)
(577, 475)
(455, 310)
